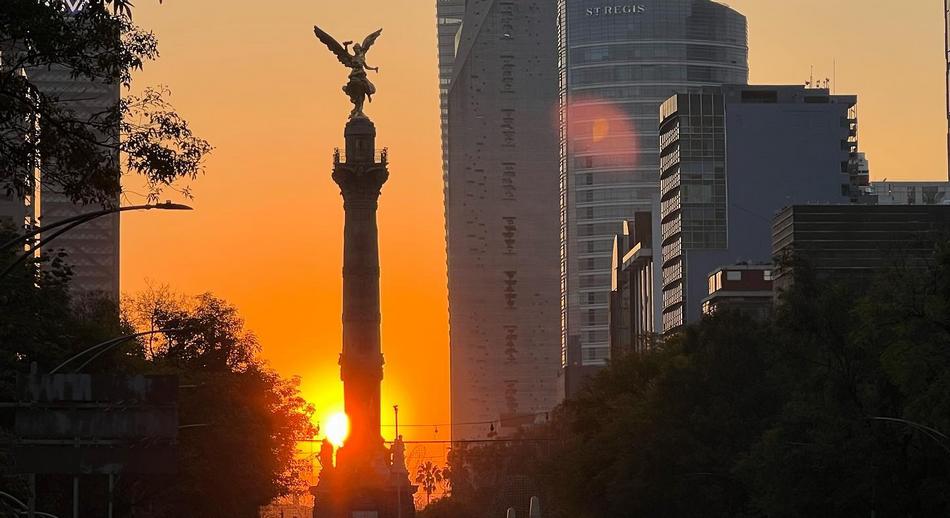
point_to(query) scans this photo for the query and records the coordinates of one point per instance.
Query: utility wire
(471, 423)
(460, 441)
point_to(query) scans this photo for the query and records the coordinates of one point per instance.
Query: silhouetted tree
(429, 476)
(242, 455)
(838, 406)
(80, 152)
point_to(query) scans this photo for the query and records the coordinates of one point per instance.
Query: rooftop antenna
(396, 412)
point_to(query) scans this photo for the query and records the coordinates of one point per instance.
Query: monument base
(355, 497)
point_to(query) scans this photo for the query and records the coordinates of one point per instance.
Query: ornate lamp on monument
(367, 480)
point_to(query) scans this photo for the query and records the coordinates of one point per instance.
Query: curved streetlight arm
(71, 223)
(24, 506)
(106, 344)
(91, 216)
(115, 343)
(15, 499)
(35, 231)
(23, 257)
(933, 433)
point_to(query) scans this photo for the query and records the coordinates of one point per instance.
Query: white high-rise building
(499, 87)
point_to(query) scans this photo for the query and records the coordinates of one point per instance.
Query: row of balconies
(671, 228)
(669, 137)
(672, 297)
(669, 183)
(672, 250)
(672, 274)
(669, 161)
(669, 206)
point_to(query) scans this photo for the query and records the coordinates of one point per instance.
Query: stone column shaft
(361, 178)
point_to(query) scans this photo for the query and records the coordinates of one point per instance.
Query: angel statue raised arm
(359, 88)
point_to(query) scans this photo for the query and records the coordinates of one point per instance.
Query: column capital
(360, 181)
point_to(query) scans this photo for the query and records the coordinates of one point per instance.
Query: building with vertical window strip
(501, 202)
(617, 64)
(92, 249)
(732, 157)
(449, 15)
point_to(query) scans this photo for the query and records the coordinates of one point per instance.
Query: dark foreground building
(742, 288)
(851, 242)
(731, 158)
(92, 248)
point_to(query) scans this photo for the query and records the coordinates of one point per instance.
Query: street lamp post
(68, 224)
(84, 218)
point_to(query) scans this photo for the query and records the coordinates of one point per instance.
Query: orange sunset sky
(267, 230)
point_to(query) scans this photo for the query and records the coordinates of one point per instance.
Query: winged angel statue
(359, 88)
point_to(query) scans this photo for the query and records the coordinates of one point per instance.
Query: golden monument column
(366, 480)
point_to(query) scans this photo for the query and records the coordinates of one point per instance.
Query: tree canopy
(242, 421)
(839, 405)
(79, 150)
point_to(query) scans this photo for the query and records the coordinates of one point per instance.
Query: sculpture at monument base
(344, 492)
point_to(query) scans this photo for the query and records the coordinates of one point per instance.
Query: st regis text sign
(614, 10)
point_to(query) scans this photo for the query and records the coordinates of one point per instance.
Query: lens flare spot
(337, 428)
(601, 129)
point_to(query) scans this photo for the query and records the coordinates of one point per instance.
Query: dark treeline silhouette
(839, 405)
(240, 457)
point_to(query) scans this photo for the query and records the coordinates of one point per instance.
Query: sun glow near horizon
(337, 428)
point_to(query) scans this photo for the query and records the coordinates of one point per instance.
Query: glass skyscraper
(617, 64)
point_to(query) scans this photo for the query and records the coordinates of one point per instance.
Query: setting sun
(337, 428)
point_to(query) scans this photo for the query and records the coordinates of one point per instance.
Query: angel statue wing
(370, 40)
(335, 46)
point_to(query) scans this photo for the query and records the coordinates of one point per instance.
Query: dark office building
(851, 242)
(731, 157)
(617, 64)
(501, 214)
(92, 248)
